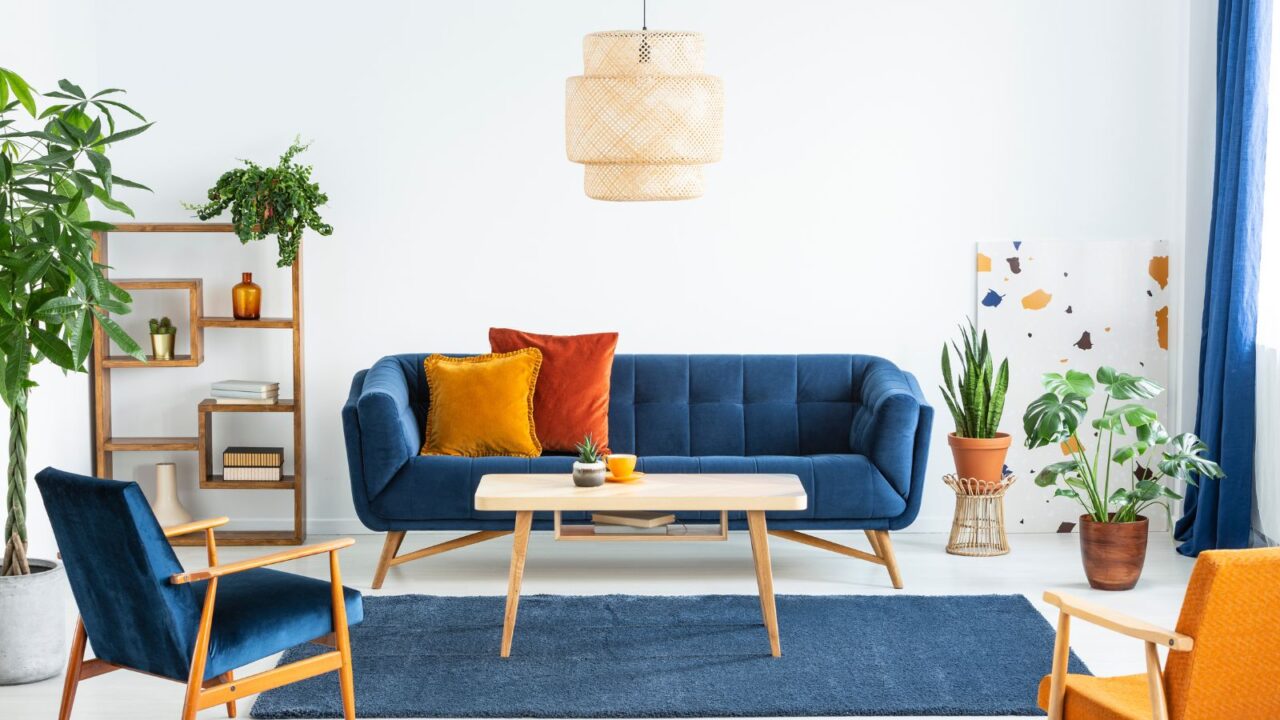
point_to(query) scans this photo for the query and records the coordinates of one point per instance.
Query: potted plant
(264, 201)
(51, 295)
(976, 400)
(589, 468)
(1115, 489)
(162, 336)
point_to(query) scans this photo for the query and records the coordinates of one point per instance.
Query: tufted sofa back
(698, 405)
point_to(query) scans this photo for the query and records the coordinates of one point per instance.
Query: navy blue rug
(606, 656)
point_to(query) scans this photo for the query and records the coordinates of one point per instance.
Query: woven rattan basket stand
(978, 527)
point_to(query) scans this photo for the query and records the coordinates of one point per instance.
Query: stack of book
(639, 522)
(245, 392)
(257, 464)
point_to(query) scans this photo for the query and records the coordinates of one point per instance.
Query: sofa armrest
(886, 426)
(388, 430)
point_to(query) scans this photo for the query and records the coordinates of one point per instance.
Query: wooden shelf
(151, 444)
(175, 227)
(261, 323)
(125, 361)
(215, 482)
(158, 283)
(231, 538)
(587, 533)
(209, 405)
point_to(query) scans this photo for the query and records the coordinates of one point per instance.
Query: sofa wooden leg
(875, 542)
(390, 546)
(885, 551)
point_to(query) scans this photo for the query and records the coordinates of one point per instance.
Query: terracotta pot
(1113, 553)
(980, 458)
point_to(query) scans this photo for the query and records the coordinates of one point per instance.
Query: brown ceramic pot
(1113, 553)
(980, 458)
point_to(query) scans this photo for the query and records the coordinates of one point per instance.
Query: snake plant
(976, 395)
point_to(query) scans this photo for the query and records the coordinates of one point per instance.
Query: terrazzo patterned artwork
(1050, 306)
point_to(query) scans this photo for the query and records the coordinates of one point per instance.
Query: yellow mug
(622, 466)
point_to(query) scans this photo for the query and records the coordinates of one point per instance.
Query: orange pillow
(482, 405)
(572, 399)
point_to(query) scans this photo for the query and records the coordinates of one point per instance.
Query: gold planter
(162, 346)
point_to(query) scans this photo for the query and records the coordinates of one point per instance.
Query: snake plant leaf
(1073, 383)
(998, 393)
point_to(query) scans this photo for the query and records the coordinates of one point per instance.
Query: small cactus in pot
(162, 335)
(589, 468)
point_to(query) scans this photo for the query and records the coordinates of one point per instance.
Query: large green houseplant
(1114, 489)
(52, 164)
(976, 398)
(280, 200)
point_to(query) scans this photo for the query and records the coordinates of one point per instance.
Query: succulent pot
(162, 346)
(588, 474)
(980, 459)
(1112, 552)
(33, 630)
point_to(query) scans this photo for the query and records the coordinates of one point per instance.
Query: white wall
(869, 145)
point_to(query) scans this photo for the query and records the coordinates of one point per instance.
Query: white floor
(1038, 562)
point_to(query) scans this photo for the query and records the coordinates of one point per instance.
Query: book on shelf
(633, 518)
(246, 386)
(253, 474)
(244, 394)
(628, 530)
(246, 401)
(253, 457)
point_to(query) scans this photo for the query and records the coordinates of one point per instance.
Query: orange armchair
(1223, 657)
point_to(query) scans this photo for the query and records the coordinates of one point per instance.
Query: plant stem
(15, 525)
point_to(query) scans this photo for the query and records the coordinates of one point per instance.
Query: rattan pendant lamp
(643, 118)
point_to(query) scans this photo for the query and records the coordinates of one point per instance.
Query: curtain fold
(1217, 514)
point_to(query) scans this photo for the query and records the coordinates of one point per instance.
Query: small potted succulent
(1113, 489)
(976, 400)
(162, 335)
(589, 468)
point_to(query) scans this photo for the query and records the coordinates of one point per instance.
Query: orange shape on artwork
(1036, 300)
(1070, 446)
(1158, 269)
(984, 263)
(1162, 327)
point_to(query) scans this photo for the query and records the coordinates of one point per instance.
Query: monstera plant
(1114, 489)
(54, 164)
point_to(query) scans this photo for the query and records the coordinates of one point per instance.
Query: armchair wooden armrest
(217, 571)
(1118, 622)
(195, 526)
(1151, 635)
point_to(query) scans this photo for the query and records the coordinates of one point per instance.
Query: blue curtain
(1218, 513)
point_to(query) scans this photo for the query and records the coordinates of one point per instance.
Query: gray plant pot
(588, 474)
(33, 623)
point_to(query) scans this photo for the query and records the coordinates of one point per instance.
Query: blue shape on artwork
(1017, 244)
(992, 299)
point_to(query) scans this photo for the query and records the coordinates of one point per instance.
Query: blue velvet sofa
(853, 428)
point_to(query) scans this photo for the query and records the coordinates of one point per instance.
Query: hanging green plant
(264, 201)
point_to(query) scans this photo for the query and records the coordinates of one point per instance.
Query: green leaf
(4, 90)
(17, 369)
(20, 90)
(1051, 419)
(1050, 475)
(72, 88)
(1129, 452)
(1066, 492)
(110, 202)
(1183, 458)
(81, 335)
(128, 183)
(102, 166)
(1073, 383)
(59, 306)
(116, 137)
(1123, 386)
(108, 91)
(119, 336)
(52, 347)
(125, 108)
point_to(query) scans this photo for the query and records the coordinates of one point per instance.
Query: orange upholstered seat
(1223, 657)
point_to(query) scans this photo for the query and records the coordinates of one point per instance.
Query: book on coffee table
(633, 518)
(628, 530)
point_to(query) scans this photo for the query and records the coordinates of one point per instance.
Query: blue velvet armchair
(142, 612)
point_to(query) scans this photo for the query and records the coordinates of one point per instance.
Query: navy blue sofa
(853, 428)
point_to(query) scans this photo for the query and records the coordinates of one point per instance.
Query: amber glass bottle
(246, 298)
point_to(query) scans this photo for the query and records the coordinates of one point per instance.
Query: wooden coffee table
(755, 494)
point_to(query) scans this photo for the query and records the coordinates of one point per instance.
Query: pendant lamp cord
(644, 14)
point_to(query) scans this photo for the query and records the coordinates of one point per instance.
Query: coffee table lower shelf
(585, 532)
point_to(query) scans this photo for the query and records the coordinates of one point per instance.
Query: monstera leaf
(1123, 386)
(1052, 419)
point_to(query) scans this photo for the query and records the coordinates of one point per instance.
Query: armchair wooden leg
(74, 663)
(341, 634)
(1155, 684)
(1058, 680)
(195, 679)
(390, 547)
(884, 548)
(231, 705)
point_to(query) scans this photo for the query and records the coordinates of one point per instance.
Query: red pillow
(571, 399)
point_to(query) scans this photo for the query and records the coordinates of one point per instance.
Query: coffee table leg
(764, 576)
(520, 544)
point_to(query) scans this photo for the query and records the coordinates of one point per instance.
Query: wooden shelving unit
(105, 445)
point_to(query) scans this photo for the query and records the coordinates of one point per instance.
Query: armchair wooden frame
(1150, 635)
(225, 689)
